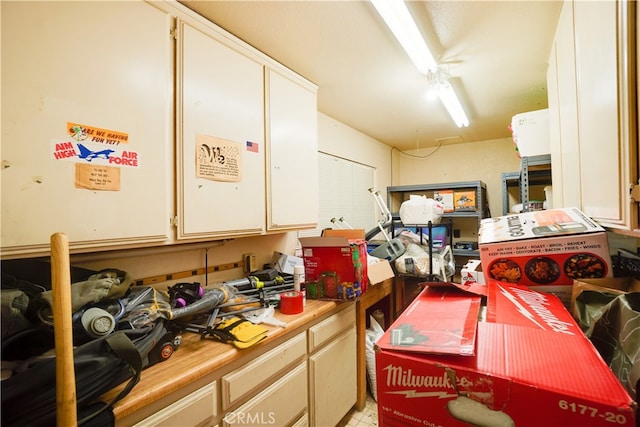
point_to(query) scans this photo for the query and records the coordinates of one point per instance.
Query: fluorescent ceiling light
(397, 17)
(453, 106)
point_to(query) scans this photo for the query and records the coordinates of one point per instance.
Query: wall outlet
(250, 263)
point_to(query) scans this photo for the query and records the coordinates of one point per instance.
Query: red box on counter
(334, 267)
(546, 250)
(526, 364)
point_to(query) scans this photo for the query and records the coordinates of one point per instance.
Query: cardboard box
(284, 263)
(546, 250)
(379, 271)
(351, 233)
(471, 272)
(464, 201)
(528, 364)
(335, 267)
(446, 198)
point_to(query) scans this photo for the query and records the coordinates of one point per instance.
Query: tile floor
(368, 417)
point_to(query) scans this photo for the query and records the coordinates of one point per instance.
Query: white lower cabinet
(333, 383)
(316, 384)
(196, 409)
(239, 383)
(309, 379)
(280, 404)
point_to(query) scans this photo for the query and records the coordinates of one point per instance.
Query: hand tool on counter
(250, 293)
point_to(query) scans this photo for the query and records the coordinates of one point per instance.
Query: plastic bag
(420, 210)
(374, 332)
(415, 261)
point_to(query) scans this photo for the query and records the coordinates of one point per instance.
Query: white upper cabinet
(221, 149)
(86, 124)
(592, 99)
(292, 159)
(140, 123)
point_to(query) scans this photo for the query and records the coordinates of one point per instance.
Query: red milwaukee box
(546, 250)
(531, 365)
(334, 267)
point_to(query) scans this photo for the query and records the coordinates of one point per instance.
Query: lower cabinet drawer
(196, 409)
(240, 382)
(330, 327)
(280, 404)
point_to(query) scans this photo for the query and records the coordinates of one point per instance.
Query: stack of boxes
(501, 348)
(525, 364)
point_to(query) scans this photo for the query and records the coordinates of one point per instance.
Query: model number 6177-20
(592, 412)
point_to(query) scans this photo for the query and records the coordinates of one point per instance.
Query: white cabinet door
(97, 75)
(594, 147)
(220, 130)
(292, 161)
(565, 153)
(333, 383)
(602, 53)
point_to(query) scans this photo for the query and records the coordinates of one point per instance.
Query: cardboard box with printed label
(472, 272)
(464, 201)
(446, 198)
(546, 250)
(527, 364)
(334, 267)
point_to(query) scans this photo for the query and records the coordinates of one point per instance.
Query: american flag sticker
(252, 146)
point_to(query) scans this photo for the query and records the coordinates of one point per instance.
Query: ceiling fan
(399, 20)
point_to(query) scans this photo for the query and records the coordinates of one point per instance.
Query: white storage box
(531, 133)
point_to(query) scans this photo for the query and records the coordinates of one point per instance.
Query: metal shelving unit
(534, 170)
(398, 194)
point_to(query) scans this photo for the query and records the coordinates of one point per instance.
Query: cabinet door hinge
(634, 192)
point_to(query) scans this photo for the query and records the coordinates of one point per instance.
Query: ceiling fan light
(397, 17)
(453, 106)
(432, 93)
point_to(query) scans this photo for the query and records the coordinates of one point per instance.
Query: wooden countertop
(196, 358)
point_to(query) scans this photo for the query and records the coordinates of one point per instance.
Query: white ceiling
(496, 52)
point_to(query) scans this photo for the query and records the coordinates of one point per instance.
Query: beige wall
(484, 161)
(340, 140)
